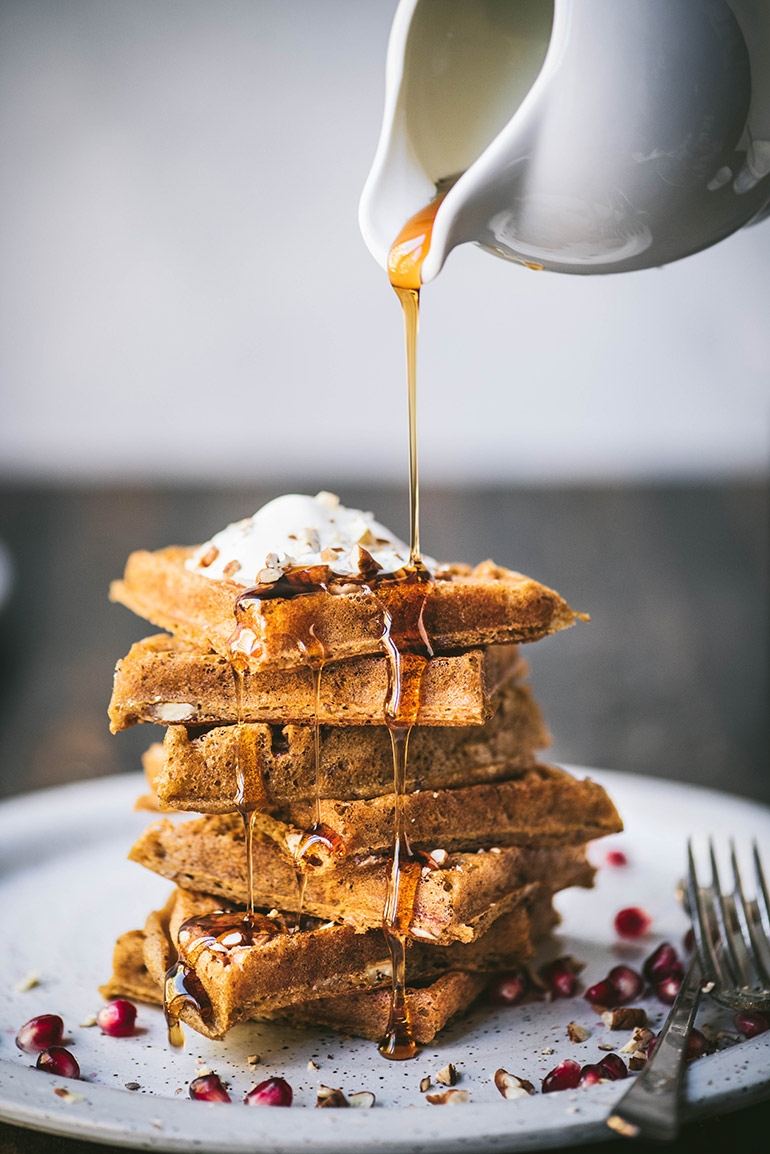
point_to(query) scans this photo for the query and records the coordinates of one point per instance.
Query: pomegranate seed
(565, 1076)
(560, 977)
(272, 1092)
(508, 989)
(697, 1045)
(117, 1018)
(616, 857)
(57, 1060)
(632, 922)
(40, 1033)
(662, 963)
(614, 1066)
(751, 1024)
(603, 993)
(590, 1075)
(688, 941)
(628, 984)
(667, 990)
(209, 1088)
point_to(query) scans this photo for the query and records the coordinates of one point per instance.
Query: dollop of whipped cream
(299, 531)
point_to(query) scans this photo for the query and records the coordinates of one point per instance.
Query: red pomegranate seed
(272, 1092)
(590, 1075)
(628, 984)
(697, 1045)
(602, 993)
(667, 990)
(688, 941)
(209, 1088)
(616, 857)
(57, 1060)
(40, 1033)
(565, 1076)
(117, 1018)
(751, 1024)
(508, 989)
(662, 963)
(632, 922)
(560, 977)
(614, 1066)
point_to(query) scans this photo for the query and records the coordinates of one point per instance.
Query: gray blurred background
(186, 293)
(191, 324)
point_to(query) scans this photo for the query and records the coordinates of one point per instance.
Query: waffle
(325, 960)
(541, 806)
(164, 680)
(474, 606)
(455, 902)
(195, 770)
(361, 1013)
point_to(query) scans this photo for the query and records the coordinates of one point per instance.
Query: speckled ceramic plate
(66, 891)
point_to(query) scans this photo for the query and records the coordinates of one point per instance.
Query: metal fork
(732, 965)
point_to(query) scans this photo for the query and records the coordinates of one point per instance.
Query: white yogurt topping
(296, 530)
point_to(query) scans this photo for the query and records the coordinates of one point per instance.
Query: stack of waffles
(283, 724)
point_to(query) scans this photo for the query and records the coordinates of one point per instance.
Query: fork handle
(650, 1108)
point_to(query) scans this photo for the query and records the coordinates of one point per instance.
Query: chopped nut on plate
(328, 1096)
(362, 1099)
(638, 1040)
(448, 1076)
(447, 1098)
(512, 1087)
(29, 982)
(625, 1017)
(577, 1033)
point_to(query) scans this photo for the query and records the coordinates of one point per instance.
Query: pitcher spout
(583, 136)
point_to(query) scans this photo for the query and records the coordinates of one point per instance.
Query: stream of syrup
(407, 644)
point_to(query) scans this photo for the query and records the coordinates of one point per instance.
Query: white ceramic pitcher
(585, 136)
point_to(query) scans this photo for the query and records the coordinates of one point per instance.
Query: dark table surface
(668, 679)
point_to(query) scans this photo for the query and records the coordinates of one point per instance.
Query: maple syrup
(318, 835)
(407, 644)
(220, 933)
(405, 261)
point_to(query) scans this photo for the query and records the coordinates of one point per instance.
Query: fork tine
(736, 965)
(700, 923)
(763, 902)
(746, 920)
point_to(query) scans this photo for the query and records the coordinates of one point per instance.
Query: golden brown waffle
(541, 806)
(298, 968)
(360, 1013)
(455, 902)
(481, 606)
(195, 770)
(165, 681)
(365, 1013)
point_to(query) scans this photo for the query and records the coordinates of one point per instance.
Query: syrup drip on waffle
(221, 933)
(318, 836)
